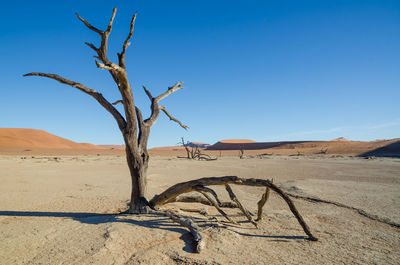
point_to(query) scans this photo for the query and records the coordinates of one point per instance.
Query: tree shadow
(272, 237)
(156, 221)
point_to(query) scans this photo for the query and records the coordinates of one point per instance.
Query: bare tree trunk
(138, 164)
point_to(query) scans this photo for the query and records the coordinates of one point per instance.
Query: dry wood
(198, 199)
(172, 118)
(193, 228)
(203, 190)
(262, 202)
(209, 190)
(174, 191)
(239, 204)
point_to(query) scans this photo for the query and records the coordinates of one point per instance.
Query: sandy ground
(59, 210)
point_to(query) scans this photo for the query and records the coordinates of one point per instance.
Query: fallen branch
(193, 228)
(262, 202)
(204, 191)
(198, 199)
(239, 204)
(173, 192)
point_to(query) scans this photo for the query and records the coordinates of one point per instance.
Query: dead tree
(135, 131)
(189, 153)
(134, 128)
(194, 152)
(241, 152)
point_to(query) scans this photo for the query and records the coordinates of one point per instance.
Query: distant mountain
(32, 138)
(340, 139)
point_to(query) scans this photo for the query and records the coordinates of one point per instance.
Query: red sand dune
(32, 138)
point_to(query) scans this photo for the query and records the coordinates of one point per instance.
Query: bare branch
(139, 117)
(148, 94)
(64, 81)
(193, 228)
(201, 200)
(262, 202)
(170, 90)
(103, 66)
(96, 95)
(203, 190)
(173, 119)
(89, 25)
(117, 102)
(209, 190)
(155, 108)
(111, 20)
(239, 204)
(100, 32)
(121, 55)
(92, 46)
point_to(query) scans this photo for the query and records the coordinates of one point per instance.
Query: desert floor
(59, 210)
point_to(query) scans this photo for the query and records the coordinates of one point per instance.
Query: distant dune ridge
(19, 140)
(33, 138)
(336, 146)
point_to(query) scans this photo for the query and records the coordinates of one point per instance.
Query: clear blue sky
(261, 70)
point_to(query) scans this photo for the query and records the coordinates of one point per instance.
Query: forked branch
(121, 56)
(204, 191)
(102, 51)
(117, 71)
(239, 204)
(173, 119)
(155, 108)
